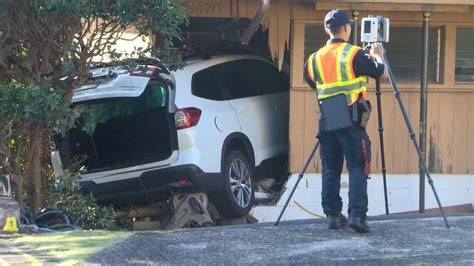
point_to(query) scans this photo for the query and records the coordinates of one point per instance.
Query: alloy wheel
(240, 182)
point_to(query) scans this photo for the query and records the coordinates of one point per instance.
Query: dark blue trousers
(353, 144)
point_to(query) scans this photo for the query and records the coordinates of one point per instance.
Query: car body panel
(268, 138)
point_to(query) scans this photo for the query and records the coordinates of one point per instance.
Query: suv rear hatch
(126, 124)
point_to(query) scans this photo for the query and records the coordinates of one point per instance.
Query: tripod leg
(396, 91)
(382, 150)
(300, 176)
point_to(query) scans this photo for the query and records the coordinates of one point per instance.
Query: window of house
(314, 38)
(404, 53)
(403, 50)
(464, 55)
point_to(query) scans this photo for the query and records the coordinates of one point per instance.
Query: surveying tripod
(396, 92)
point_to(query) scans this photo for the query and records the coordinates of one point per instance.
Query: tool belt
(361, 112)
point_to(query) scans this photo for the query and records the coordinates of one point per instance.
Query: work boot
(337, 221)
(358, 224)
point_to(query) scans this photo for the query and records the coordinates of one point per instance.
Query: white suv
(214, 126)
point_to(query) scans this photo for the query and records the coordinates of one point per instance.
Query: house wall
(450, 135)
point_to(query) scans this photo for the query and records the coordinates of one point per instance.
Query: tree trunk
(18, 184)
(34, 171)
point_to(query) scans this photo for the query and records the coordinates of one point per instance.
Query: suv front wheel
(237, 197)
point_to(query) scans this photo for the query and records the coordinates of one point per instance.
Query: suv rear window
(154, 96)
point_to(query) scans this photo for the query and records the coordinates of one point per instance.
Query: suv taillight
(187, 117)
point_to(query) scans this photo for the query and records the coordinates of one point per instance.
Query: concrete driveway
(392, 241)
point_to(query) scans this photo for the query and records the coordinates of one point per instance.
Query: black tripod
(300, 176)
(411, 134)
(382, 147)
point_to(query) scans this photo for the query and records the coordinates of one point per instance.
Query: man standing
(342, 68)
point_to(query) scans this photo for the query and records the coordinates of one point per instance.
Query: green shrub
(82, 208)
(29, 114)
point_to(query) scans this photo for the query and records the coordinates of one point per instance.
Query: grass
(66, 248)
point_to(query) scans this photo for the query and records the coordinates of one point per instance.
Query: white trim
(127, 173)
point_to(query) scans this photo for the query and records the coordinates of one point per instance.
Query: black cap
(337, 17)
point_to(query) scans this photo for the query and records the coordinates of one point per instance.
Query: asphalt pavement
(401, 240)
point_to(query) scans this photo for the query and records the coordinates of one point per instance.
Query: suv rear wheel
(237, 197)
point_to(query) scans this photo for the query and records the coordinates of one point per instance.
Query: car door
(255, 109)
(274, 85)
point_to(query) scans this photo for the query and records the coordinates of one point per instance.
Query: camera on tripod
(375, 29)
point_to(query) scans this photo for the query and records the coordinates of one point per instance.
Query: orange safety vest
(332, 67)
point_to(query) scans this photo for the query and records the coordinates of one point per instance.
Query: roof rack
(148, 61)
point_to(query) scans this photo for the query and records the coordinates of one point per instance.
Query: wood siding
(450, 135)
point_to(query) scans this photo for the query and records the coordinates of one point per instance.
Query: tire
(237, 196)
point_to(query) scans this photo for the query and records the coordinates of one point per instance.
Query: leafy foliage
(81, 208)
(47, 40)
(27, 106)
(28, 114)
(47, 48)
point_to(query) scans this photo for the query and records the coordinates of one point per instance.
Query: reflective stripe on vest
(311, 66)
(332, 66)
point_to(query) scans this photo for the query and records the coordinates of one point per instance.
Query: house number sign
(198, 8)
